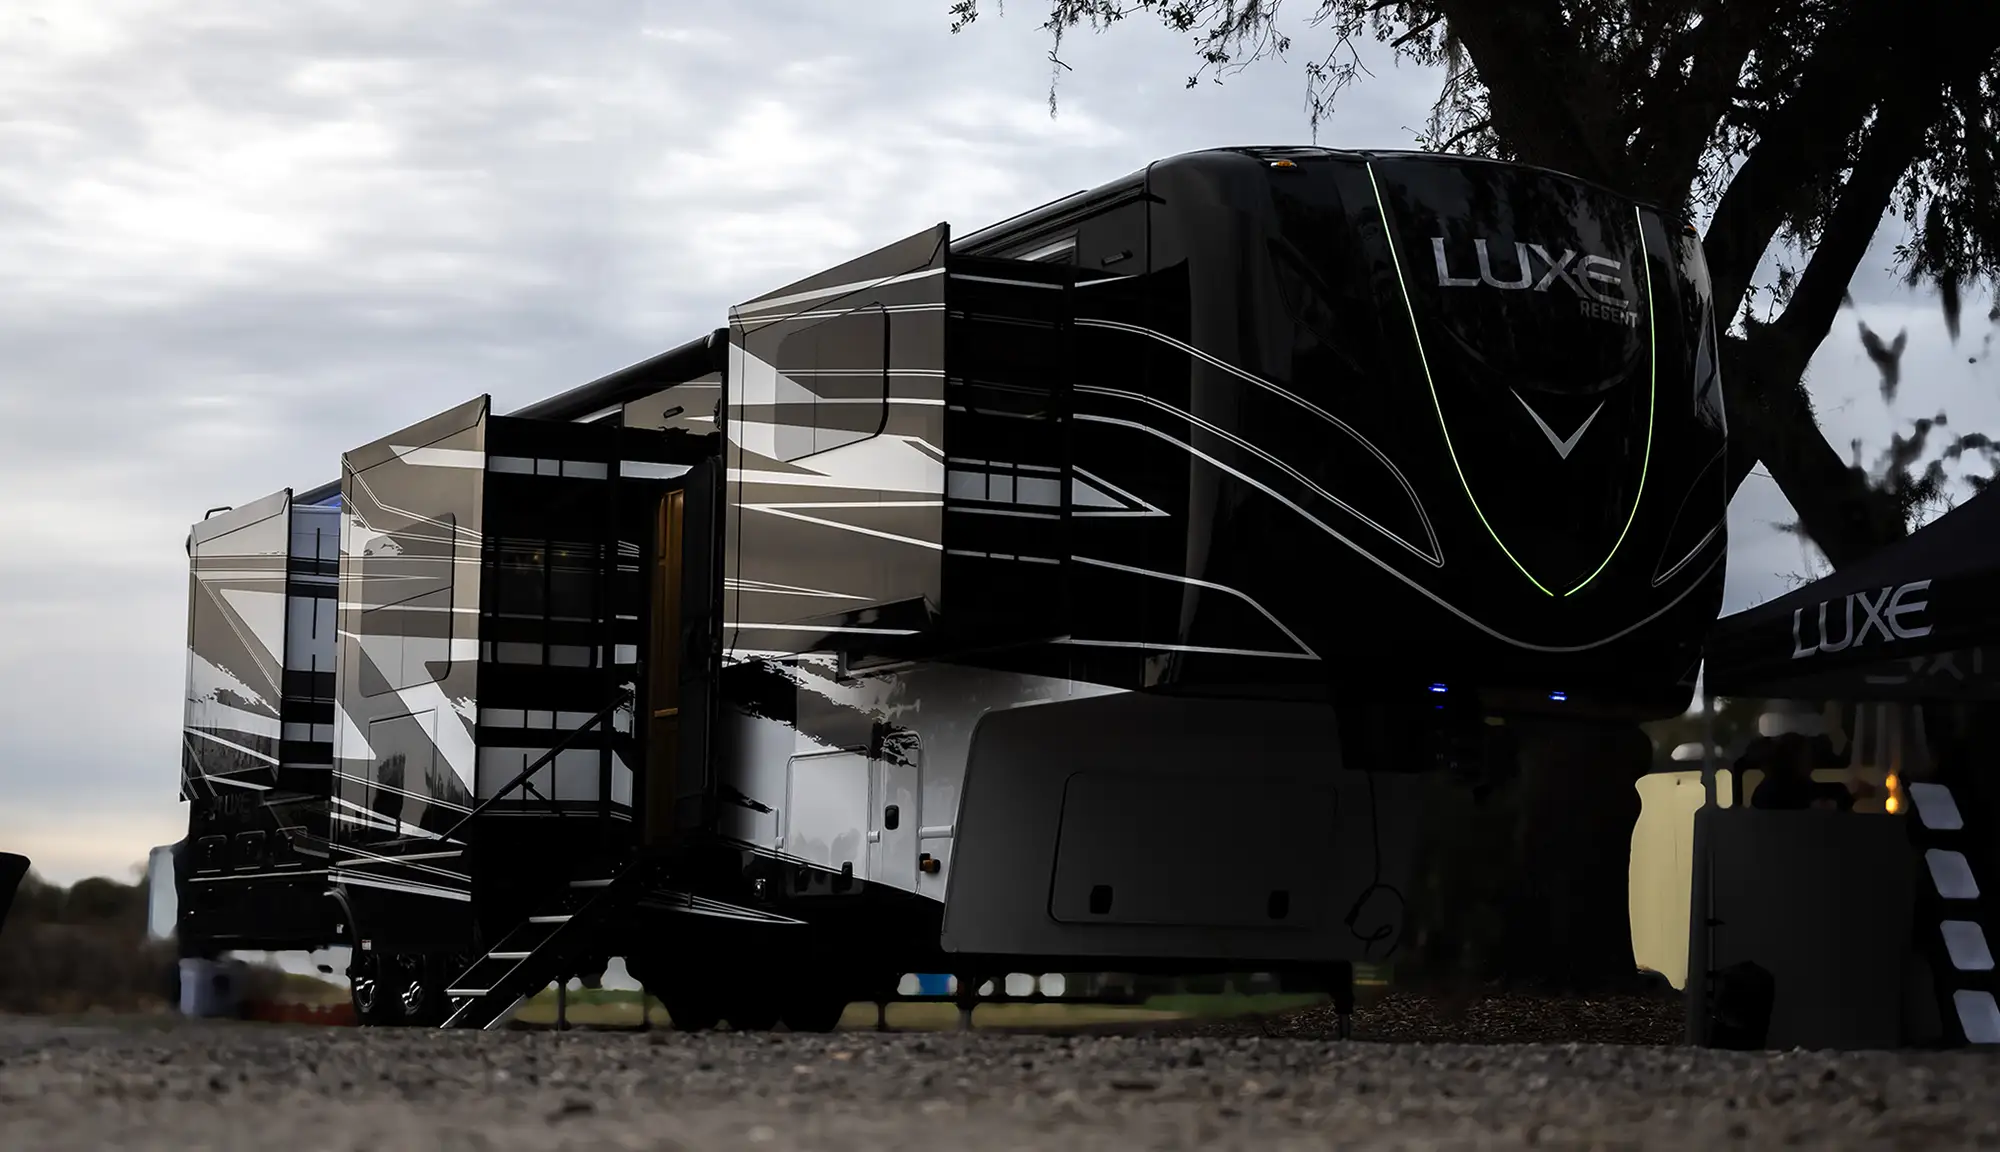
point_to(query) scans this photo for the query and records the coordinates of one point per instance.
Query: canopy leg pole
(1695, 991)
(1708, 769)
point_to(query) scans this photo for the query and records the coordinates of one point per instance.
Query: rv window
(999, 483)
(406, 643)
(407, 574)
(832, 380)
(518, 588)
(572, 582)
(1061, 251)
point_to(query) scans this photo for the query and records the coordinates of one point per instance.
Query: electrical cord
(1389, 929)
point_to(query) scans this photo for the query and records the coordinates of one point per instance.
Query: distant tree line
(82, 948)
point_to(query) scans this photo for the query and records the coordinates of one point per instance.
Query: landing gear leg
(562, 1004)
(1340, 984)
(881, 1015)
(968, 997)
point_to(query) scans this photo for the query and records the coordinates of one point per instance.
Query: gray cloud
(244, 237)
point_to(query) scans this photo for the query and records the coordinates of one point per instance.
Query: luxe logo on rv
(1580, 272)
(1881, 612)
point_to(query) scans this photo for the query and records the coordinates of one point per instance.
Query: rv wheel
(751, 1012)
(690, 1011)
(690, 1007)
(750, 1001)
(366, 989)
(814, 1010)
(418, 987)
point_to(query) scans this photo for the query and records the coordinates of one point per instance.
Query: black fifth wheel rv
(1085, 592)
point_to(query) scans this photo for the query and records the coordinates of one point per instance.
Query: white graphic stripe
(1150, 646)
(1433, 558)
(770, 510)
(1563, 447)
(1304, 648)
(1259, 381)
(759, 307)
(1393, 571)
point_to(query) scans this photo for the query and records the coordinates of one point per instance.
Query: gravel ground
(178, 1084)
(1512, 1018)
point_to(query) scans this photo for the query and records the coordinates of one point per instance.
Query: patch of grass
(613, 1007)
(627, 1012)
(600, 1014)
(300, 988)
(597, 995)
(1233, 1003)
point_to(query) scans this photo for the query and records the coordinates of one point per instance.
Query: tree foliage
(1793, 126)
(82, 947)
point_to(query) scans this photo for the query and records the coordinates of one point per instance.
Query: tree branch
(1472, 129)
(1803, 143)
(1894, 143)
(1416, 31)
(1677, 124)
(1545, 103)
(1835, 507)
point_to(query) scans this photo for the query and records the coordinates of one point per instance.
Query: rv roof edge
(326, 491)
(674, 366)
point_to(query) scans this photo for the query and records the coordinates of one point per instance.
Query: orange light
(1892, 804)
(1892, 782)
(1283, 164)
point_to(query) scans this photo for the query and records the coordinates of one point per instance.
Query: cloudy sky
(242, 237)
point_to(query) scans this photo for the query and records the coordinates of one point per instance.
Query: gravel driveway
(179, 1084)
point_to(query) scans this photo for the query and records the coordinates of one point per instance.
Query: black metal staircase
(560, 927)
(543, 946)
(1953, 913)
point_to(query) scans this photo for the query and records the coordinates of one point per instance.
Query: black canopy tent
(1917, 623)
(1919, 620)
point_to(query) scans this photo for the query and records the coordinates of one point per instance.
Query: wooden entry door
(663, 679)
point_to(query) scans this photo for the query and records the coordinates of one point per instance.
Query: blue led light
(1438, 688)
(1558, 696)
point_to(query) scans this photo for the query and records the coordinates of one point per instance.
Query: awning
(1918, 620)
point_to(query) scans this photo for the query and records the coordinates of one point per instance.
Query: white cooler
(212, 987)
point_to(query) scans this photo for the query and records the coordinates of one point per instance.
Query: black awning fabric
(1918, 620)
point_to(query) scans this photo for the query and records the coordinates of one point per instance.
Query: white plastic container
(163, 901)
(211, 988)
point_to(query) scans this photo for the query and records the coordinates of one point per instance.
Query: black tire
(751, 999)
(814, 1010)
(751, 1012)
(369, 992)
(417, 990)
(690, 1011)
(690, 1006)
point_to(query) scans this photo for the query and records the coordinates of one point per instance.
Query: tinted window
(833, 381)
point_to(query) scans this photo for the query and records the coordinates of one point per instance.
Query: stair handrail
(623, 697)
